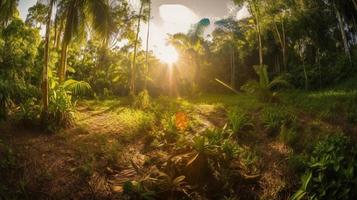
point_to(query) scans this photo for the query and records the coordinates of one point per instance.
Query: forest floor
(112, 143)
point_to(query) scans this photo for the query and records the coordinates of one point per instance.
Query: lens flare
(168, 55)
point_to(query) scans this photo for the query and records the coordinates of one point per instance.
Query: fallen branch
(227, 86)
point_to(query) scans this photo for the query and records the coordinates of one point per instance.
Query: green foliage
(274, 117)
(76, 88)
(264, 87)
(142, 101)
(331, 171)
(288, 135)
(7, 157)
(61, 109)
(239, 120)
(136, 190)
(29, 112)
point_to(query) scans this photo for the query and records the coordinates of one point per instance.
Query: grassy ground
(209, 147)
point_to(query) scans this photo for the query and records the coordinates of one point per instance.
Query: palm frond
(76, 87)
(100, 18)
(279, 81)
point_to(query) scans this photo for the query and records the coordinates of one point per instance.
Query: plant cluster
(330, 171)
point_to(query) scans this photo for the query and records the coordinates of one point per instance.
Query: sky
(173, 16)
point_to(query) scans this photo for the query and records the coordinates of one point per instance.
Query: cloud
(176, 13)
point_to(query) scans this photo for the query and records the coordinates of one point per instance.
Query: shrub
(239, 120)
(273, 118)
(29, 112)
(331, 171)
(142, 101)
(288, 135)
(61, 109)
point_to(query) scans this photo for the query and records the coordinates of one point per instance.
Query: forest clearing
(155, 99)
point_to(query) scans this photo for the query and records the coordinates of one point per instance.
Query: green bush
(61, 109)
(29, 112)
(331, 171)
(239, 120)
(288, 135)
(274, 117)
(142, 101)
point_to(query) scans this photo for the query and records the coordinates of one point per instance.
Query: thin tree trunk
(56, 30)
(147, 49)
(133, 64)
(58, 39)
(255, 13)
(233, 80)
(355, 4)
(282, 41)
(63, 66)
(45, 66)
(343, 33)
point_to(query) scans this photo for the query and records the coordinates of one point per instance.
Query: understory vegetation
(264, 106)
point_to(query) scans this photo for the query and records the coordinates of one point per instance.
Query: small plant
(288, 135)
(331, 171)
(239, 120)
(61, 110)
(263, 88)
(29, 112)
(142, 101)
(136, 190)
(249, 160)
(273, 118)
(7, 156)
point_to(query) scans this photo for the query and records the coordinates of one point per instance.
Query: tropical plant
(331, 171)
(77, 15)
(192, 46)
(8, 9)
(142, 101)
(29, 112)
(239, 120)
(273, 118)
(264, 86)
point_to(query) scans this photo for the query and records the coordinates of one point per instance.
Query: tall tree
(77, 14)
(336, 5)
(46, 63)
(192, 44)
(8, 8)
(147, 46)
(254, 7)
(136, 41)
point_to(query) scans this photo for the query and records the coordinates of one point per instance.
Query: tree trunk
(147, 49)
(355, 4)
(133, 64)
(58, 38)
(45, 65)
(282, 41)
(233, 73)
(343, 33)
(255, 13)
(63, 66)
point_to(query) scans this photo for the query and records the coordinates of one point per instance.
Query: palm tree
(136, 41)
(77, 14)
(8, 8)
(192, 45)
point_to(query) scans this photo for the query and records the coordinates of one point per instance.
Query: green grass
(328, 104)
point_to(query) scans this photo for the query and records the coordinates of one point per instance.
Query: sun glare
(168, 55)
